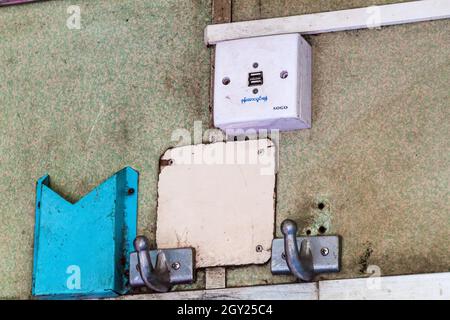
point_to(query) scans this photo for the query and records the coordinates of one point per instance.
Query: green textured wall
(82, 104)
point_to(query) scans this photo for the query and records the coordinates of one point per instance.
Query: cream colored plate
(219, 199)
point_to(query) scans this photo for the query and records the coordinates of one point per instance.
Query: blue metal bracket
(83, 249)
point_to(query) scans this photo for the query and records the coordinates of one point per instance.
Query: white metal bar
(435, 286)
(300, 291)
(360, 18)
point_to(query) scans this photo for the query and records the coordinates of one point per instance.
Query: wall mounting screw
(324, 251)
(255, 65)
(176, 265)
(255, 91)
(165, 162)
(259, 248)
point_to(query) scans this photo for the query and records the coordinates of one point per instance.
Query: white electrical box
(263, 83)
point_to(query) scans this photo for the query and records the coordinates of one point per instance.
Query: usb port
(255, 79)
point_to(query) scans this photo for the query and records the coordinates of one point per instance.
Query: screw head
(130, 191)
(284, 74)
(259, 248)
(255, 65)
(226, 81)
(283, 256)
(324, 251)
(176, 265)
(255, 91)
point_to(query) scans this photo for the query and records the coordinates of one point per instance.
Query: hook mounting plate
(180, 261)
(324, 249)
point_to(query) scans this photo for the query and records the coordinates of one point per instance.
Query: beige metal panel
(218, 199)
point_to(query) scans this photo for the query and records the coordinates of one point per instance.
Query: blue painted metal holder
(83, 249)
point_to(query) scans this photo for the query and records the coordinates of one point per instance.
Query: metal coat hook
(157, 278)
(316, 255)
(299, 262)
